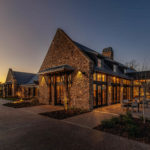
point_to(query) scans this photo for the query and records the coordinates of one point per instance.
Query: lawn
(62, 114)
(127, 126)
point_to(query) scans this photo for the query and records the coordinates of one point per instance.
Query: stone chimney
(108, 52)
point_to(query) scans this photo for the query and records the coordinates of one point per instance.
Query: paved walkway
(117, 109)
(25, 130)
(90, 120)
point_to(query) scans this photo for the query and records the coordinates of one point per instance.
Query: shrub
(127, 119)
(109, 123)
(133, 130)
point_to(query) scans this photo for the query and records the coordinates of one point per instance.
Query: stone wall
(63, 51)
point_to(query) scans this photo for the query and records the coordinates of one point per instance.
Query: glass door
(99, 95)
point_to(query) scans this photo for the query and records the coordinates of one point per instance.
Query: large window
(99, 90)
(99, 95)
(126, 89)
(136, 92)
(60, 83)
(115, 89)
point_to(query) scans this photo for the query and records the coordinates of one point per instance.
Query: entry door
(114, 94)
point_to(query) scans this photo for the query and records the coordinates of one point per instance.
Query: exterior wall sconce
(81, 73)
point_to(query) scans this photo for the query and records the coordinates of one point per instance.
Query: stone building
(20, 84)
(75, 74)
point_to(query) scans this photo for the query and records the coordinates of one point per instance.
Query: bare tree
(132, 64)
(142, 76)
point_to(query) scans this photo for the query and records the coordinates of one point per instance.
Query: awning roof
(62, 68)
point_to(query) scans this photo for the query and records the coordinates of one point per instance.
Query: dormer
(99, 63)
(115, 68)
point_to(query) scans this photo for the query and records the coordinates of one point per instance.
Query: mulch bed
(62, 114)
(132, 128)
(21, 105)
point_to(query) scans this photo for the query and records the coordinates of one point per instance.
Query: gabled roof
(20, 77)
(33, 79)
(23, 77)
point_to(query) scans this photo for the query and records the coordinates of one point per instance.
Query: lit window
(114, 79)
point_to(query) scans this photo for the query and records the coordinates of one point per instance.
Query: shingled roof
(23, 77)
(94, 55)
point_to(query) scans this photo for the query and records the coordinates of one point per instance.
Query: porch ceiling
(62, 68)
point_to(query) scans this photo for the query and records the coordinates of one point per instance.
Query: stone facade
(63, 51)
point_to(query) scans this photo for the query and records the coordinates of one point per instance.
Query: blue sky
(27, 28)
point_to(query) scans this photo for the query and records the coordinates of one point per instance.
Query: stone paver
(23, 130)
(90, 120)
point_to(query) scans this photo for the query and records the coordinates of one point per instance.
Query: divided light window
(99, 77)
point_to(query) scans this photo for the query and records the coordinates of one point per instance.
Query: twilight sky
(27, 28)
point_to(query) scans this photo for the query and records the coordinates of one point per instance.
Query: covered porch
(57, 82)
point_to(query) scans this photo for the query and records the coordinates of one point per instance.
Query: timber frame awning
(57, 69)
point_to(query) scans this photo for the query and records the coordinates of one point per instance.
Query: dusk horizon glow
(27, 28)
